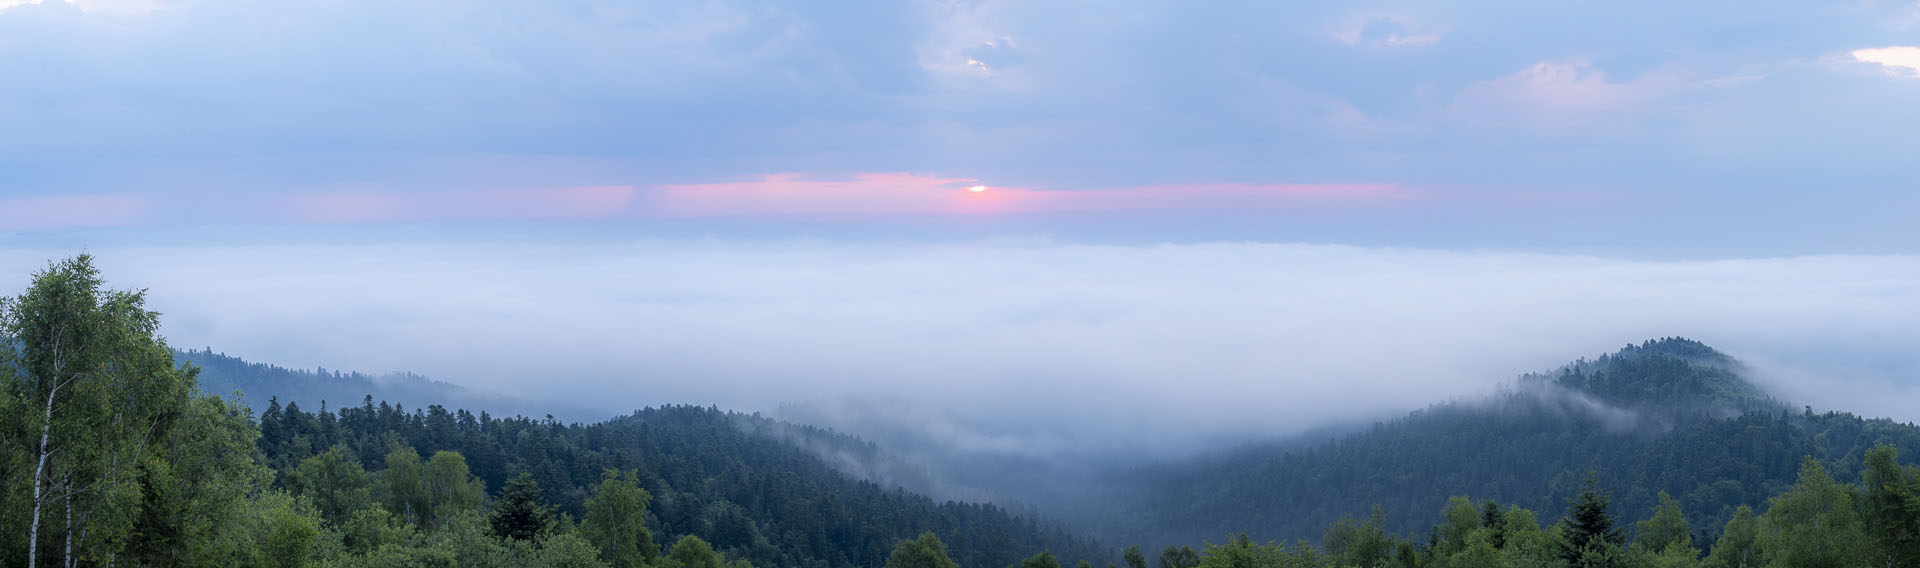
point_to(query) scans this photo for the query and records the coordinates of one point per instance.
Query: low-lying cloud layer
(1022, 347)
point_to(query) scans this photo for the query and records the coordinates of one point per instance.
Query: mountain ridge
(1668, 415)
(260, 383)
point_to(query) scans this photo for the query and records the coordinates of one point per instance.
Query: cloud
(1898, 60)
(787, 196)
(1021, 347)
(230, 98)
(1382, 30)
(911, 194)
(1130, 93)
(1567, 93)
(56, 212)
(482, 205)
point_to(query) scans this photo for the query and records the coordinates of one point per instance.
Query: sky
(1038, 224)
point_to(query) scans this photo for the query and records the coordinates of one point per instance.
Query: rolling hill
(1668, 415)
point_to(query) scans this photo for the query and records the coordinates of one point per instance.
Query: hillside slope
(738, 481)
(1670, 415)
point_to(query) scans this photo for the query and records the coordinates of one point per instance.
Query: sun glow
(976, 188)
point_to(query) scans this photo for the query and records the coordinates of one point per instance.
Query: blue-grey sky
(1177, 215)
(1717, 128)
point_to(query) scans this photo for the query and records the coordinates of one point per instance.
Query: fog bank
(1021, 347)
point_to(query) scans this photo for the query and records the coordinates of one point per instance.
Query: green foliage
(1890, 508)
(427, 494)
(1525, 543)
(112, 458)
(520, 514)
(1814, 523)
(1044, 559)
(1668, 526)
(137, 470)
(1242, 552)
(1179, 557)
(692, 552)
(403, 488)
(449, 487)
(334, 483)
(372, 528)
(1739, 544)
(708, 473)
(925, 551)
(1462, 520)
(1358, 543)
(278, 532)
(196, 495)
(1588, 538)
(616, 521)
(571, 551)
(1496, 523)
(1667, 415)
(1477, 551)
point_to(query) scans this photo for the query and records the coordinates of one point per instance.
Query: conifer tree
(1588, 538)
(520, 514)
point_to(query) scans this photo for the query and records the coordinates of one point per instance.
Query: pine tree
(1588, 537)
(520, 514)
(1496, 524)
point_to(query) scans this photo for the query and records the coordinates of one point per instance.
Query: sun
(976, 188)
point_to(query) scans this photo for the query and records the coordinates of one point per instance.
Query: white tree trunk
(67, 559)
(39, 497)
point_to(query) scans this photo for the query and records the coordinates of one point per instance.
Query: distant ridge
(258, 383)
(1673, 376)
(1670, 415)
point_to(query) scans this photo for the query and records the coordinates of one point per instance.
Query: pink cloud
(778, 195)
(64, 211)
(909, 194)
(792, 194)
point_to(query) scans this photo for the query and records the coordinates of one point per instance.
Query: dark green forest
(1659, 455)
(1670, 416)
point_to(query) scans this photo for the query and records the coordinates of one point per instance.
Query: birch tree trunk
(66, 559)
(39, 497)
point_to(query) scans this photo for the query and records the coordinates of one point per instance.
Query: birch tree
(91, 389)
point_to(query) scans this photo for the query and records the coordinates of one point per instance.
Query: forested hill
(222, 374)
(717, 475)
(1670, 415)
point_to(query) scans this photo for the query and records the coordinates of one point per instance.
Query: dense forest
(115, 457)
